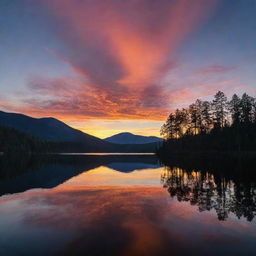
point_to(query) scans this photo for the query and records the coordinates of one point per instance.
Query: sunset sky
(108, 66)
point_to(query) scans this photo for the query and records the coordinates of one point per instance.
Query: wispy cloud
(215, 69)
(119, 52)
(69, 97)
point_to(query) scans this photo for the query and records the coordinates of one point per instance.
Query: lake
(123, 205)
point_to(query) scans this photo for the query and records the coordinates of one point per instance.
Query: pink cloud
(201, 90)
(119, 51)
(213, 69)
(124, 41)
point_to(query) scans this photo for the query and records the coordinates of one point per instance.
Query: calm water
(123, 205)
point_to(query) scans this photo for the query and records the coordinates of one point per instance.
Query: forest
(12, 140)
(217, 125)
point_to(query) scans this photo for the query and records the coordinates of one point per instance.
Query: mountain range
(73, 140)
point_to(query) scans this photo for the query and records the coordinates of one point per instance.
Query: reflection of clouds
(105, 176)
(123, 211)
(104, 212)
(92, 203)
(121, 220)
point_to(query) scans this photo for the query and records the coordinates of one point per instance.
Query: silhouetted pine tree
(216, 125)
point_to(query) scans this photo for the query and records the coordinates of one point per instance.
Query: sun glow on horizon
(103, 129)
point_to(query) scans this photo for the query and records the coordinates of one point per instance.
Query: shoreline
(206, 153)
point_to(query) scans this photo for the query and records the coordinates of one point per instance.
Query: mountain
(45, 128)
(49, 129)
(51, 135)
(129, 138)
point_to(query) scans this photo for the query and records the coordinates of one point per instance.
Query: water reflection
(20, 173)
(209, 191)
(120, 205)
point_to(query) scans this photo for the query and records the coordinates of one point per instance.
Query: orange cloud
(81, 100)
(119, 51)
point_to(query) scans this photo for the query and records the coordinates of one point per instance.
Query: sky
(109, 66)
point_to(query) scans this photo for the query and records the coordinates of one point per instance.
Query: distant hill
(56, 136)
(129, 138)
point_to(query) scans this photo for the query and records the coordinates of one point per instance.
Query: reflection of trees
(209, 191)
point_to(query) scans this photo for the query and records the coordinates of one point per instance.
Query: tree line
(12, 140)
(204, 124)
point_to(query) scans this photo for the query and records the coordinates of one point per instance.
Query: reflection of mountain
(212, 192)
(49, 172)
(130, 167)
